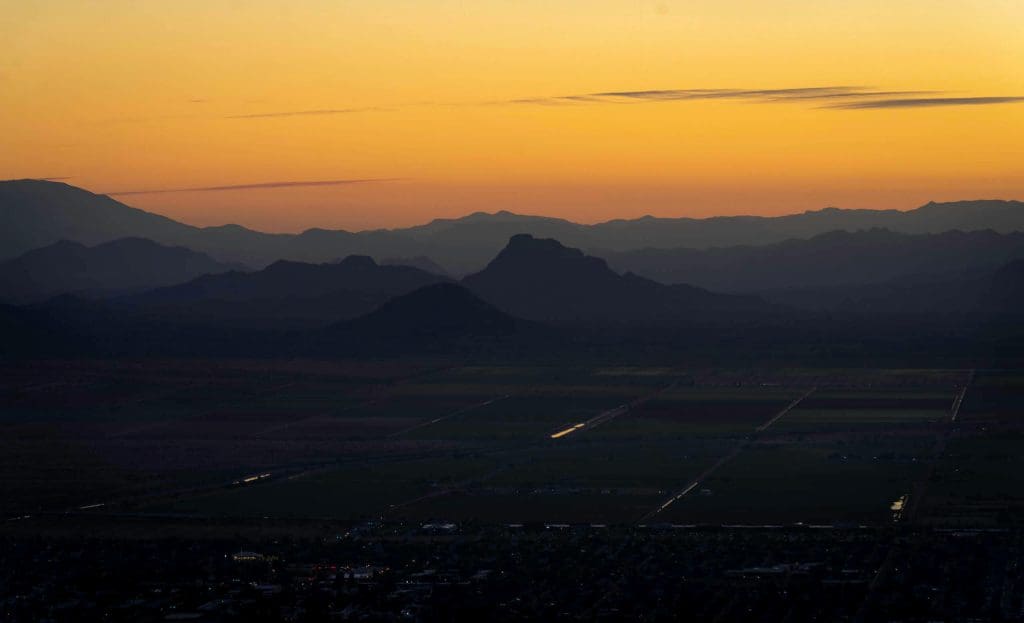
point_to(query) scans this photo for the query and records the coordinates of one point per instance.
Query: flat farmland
(995, 398)
(597, 464)
(81, 432)
(510, 444)
(979, 480)
(556, 375)
(582, 480)
(363, 491)
(505, 505)
(689, 412)
(873, 410)
(532, 415)
(832, 483)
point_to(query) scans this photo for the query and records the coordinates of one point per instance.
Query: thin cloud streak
(291, 184)
(852, 98)
(756, 94)
(670, 95)
(855, 94)
(305, 113)
(855, 97)
(927, 102)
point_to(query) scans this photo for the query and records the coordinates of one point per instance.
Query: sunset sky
(584, 109)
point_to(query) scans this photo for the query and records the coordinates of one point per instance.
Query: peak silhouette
(543, 280)
(444, 317)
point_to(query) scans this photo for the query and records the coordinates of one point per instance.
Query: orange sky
(458, 106)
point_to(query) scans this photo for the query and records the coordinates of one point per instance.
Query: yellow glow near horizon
(121, 95)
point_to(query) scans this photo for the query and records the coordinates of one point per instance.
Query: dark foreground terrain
(217, 490)
(405, 572)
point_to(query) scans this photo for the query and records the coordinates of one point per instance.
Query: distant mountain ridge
(421, 262)
(36, 213)
(120, 265)
(832, 259)
(285, 294)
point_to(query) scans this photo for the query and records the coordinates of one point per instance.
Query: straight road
(914, 503)
(473, 407)
(725, 459)
(610, 414)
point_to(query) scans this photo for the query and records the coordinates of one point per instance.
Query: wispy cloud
(670, 95)
(288, 184)
(835, 97)
(854, 94)
(927, 102)
(850, 97)
(306, 113)
(745, 94)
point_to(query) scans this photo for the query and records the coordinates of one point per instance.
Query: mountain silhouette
(117, 266)
(285, 294)
(830, 259)
(443, 317)
(36, 213)
(542, 280)
(1006, 288)
(421, 262)
(980, 295)
(444, 308)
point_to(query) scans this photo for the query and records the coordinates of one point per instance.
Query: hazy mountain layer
(37, 213)
(832, 259)
(121, 265)
(283, 295)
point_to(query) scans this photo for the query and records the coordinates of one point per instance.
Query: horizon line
(274, 185)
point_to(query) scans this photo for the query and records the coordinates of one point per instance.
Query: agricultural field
(979, 480)
(306, 440)
(785, 483)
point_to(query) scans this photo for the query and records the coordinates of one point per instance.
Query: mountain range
(35, 213)
(837, 258)
(832, 295)
(285, 294)
(624, 317)
(981, 295)
(532, 279)
(110, 268)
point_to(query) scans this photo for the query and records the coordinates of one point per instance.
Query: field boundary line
(959, 400)
(442, 418)
(611, 414)
(915, 502)
(787, 409)
(725, 459)
(695, 483)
